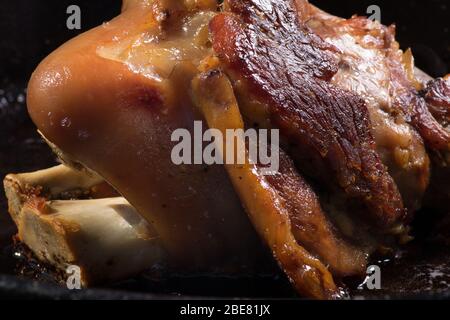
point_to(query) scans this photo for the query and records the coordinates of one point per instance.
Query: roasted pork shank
(356, 124)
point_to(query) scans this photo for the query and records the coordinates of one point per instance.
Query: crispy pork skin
(437, 96)
(283, 207)
(265, 44)
(364, 52)
(383, 63)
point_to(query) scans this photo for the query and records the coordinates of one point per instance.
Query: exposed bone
(68, 161)
(59, 182)
(106, 238)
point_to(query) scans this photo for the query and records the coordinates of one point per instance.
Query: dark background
(31, 29)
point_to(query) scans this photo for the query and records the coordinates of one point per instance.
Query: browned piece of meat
(265, 44)
(372, 66)
(110, 99)
(383, 66)
(283, 208)
(409, 110)
(437, 96)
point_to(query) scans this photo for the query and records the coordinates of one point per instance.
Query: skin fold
(283, 207)
(214, 96)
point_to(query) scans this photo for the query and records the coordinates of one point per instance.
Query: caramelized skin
(401, 82)
(310, 226)
(405, 121)
(265, 205)
(437, 96)
(264, 43)
(413, 105)
(365, 48)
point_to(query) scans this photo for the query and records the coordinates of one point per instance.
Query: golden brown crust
(290, 68)
(266, 209)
